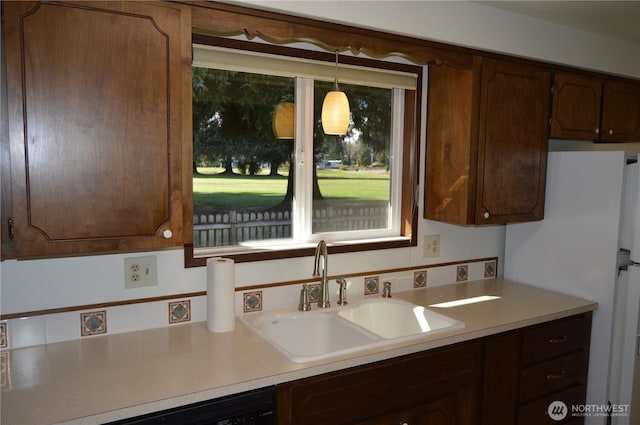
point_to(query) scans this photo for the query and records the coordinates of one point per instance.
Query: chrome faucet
(386, 290)
(304, 304)
(342, 293)
(321, 252)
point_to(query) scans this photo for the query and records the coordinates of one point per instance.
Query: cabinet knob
(486, 214)
(168, 234)
(597, 131)
(403, 423)
(610, 132)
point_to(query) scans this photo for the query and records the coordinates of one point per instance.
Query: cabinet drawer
(553, 375)
(555, 339)
(535, 413)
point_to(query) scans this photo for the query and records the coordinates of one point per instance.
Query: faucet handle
(342, 297)
(304, 304)
(386, 290)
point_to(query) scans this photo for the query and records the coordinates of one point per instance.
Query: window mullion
(397, 130)
(303, 178)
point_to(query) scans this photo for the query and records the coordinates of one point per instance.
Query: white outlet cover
(140, 272)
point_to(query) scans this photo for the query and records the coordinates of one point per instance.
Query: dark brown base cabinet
(526, 371)
(439, 386)
(509, 378)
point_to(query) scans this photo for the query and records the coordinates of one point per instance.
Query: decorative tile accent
(462, 273)
(371, 285)
(93, 323)
(420, 279)
(314, 292)
(4, 335)
(179, 311)
(490, 269)
(252, 301)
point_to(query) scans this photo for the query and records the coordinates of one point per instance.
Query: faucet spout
(322, 254)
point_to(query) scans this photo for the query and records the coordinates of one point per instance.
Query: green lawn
(224, 191)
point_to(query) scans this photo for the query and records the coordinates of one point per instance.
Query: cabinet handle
(556, 375)
(610, 132)
(558, 340)
(168, 234)
(597, 131)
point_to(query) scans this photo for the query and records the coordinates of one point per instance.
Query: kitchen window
(258, 193)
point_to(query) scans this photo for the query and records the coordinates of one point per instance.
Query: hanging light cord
(335, 81)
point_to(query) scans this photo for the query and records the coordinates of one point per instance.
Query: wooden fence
(233, 227)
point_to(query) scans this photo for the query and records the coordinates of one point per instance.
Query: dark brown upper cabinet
(96, 121)
(487, 148)
(587, 108)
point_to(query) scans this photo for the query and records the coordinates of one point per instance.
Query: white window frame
(305, 75)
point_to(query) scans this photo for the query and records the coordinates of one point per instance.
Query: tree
(232, 120)
(370, 121)
(232, 114)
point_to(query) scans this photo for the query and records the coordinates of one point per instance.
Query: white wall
(41, 284)
(471, 24)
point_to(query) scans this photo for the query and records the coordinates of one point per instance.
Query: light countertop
(102, 379)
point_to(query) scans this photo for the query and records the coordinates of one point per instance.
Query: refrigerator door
(635, 393)
(623, 383)
(630, 226)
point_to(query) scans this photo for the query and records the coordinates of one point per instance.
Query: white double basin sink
(324, 333)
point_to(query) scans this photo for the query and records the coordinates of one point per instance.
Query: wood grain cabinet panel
(528, 369)
(439, 386)
(441, 411)
(620, 112)
(594, 109)
(576, 107)
(487, 142)
(95, 95)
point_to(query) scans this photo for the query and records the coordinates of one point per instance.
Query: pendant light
(335, 109)
(284, 123)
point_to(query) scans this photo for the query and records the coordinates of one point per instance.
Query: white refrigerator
(586, 246)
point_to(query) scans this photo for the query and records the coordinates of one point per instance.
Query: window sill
(256, 252)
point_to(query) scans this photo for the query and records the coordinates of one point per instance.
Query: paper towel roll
(221, 283)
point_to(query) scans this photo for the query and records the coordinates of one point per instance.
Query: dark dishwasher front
(256, 407)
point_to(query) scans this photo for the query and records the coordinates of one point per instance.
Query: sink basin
(392, 319)
(321, 334)
(309, 336)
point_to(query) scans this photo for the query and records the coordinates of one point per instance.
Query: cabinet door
(95, 92)
(620, 112)
(444, 383)
(450, 180)
(512, 149)
(576, 107)
(441, 411)
(501, 377)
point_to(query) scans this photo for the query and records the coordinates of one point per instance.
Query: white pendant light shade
(284, 121)
(335, 113)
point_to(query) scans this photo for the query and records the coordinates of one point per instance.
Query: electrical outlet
(431, 246)
(140, 272)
